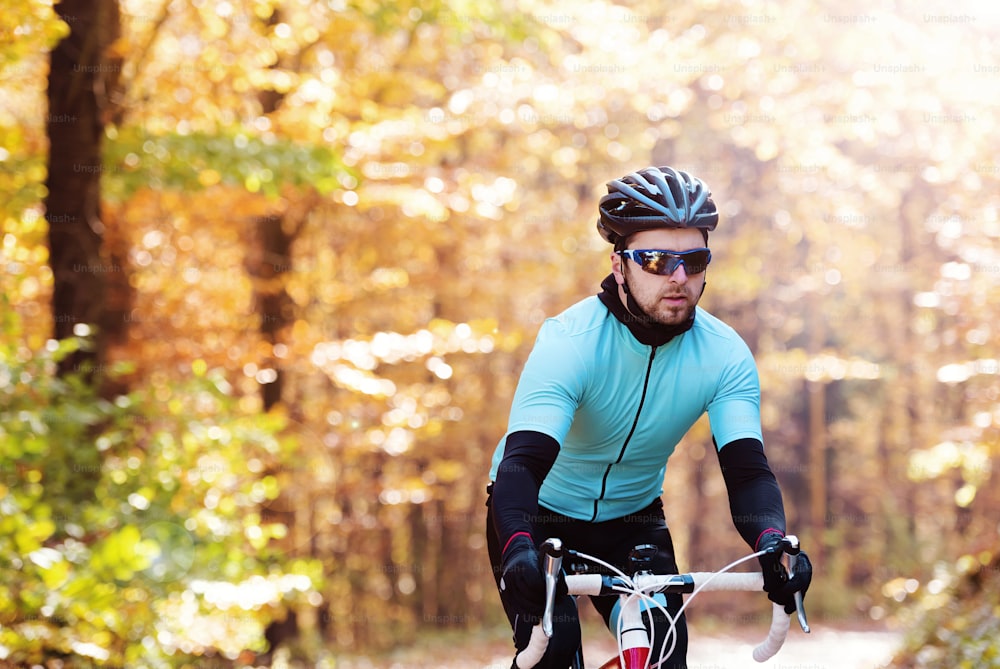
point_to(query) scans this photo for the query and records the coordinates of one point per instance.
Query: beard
(667, 313)
(671, 304)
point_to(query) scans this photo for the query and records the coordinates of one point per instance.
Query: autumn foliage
(331, 231)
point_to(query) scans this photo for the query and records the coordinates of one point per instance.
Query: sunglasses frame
(674, 259)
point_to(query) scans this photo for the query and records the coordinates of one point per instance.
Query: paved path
(823, 649)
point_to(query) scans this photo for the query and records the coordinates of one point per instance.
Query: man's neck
(644, 328)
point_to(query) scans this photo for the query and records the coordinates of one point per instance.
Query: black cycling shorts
(611, 541)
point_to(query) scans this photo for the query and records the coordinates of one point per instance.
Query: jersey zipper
(635, 422)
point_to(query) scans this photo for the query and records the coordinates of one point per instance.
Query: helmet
(655, 197)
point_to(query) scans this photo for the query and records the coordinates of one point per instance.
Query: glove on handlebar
(781, 588)
(522, 581)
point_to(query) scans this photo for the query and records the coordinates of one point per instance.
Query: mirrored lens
(665, 263)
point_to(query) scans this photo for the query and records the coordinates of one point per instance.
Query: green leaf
(52, 566)
(136, 158)
(29, 538)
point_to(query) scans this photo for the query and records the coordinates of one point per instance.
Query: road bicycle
(637, 600)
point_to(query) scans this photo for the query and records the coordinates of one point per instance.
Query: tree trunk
(910, 433)
(269, 262)
(699, 539)
(817, 458)
(79, 79)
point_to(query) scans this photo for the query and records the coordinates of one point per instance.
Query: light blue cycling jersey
(584, 383)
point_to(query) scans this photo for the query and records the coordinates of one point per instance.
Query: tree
(82, 85)
(365, 213)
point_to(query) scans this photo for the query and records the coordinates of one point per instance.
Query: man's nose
(680, 274)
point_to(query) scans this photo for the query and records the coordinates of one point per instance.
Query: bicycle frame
(633, 638)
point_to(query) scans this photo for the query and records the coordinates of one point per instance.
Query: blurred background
(270, 269)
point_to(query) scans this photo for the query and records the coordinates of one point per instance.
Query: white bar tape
(743, 581)
(536, 647)
(584, 584)
(775, 637)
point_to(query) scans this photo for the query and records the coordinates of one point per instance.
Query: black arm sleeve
(754, 495)
(527, 459)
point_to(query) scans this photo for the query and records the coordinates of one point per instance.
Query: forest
(269, 270)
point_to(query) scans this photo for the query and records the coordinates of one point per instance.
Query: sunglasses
(665, 263)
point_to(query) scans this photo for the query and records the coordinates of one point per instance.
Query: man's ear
(616, 268)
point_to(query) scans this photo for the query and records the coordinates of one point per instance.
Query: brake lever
(552, 549)
(791, 547)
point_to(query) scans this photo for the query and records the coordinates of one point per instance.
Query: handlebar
(600, 584)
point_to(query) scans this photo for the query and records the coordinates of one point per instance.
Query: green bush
(130, 530)
(956, 623)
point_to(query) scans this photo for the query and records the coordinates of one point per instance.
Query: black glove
(779, 587)
(522, 581)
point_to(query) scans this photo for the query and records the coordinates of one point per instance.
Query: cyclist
(609, 389)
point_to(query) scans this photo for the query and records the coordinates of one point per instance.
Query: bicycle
(631, 632)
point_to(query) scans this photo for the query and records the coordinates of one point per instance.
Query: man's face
(667, 299)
